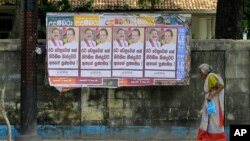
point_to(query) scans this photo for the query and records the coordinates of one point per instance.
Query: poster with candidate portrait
(161, 50)
(128, 52)
(63, 52)
(109, 50)
(96, 52)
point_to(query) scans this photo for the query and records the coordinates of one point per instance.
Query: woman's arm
(219, 87)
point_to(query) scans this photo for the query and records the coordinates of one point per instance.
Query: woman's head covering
(205, 68)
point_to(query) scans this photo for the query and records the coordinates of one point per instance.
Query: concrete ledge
(10, 45)
(107, 133)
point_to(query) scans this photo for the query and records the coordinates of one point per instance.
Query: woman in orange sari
(212, 124)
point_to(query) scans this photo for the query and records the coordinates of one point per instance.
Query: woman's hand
(210, 96)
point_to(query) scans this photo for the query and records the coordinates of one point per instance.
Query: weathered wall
(159, 112)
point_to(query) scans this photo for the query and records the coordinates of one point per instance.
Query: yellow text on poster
(145, 21)
(87, 20)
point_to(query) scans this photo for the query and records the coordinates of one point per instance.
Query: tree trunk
(229, 17)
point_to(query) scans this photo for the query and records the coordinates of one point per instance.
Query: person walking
(212, 124)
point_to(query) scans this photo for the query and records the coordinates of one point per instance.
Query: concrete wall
(159, 112)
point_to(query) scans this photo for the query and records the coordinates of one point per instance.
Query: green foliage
(193, 36)
(247, 7)
(64, 6)
(10, 35)
(246, 17)
(245, 23)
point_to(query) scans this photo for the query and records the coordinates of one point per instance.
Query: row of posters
(105, 50)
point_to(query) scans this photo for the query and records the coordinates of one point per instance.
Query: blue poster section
(181, 53)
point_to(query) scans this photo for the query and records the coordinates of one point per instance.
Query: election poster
(128, 52)
(96, 52)
(110, 50)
